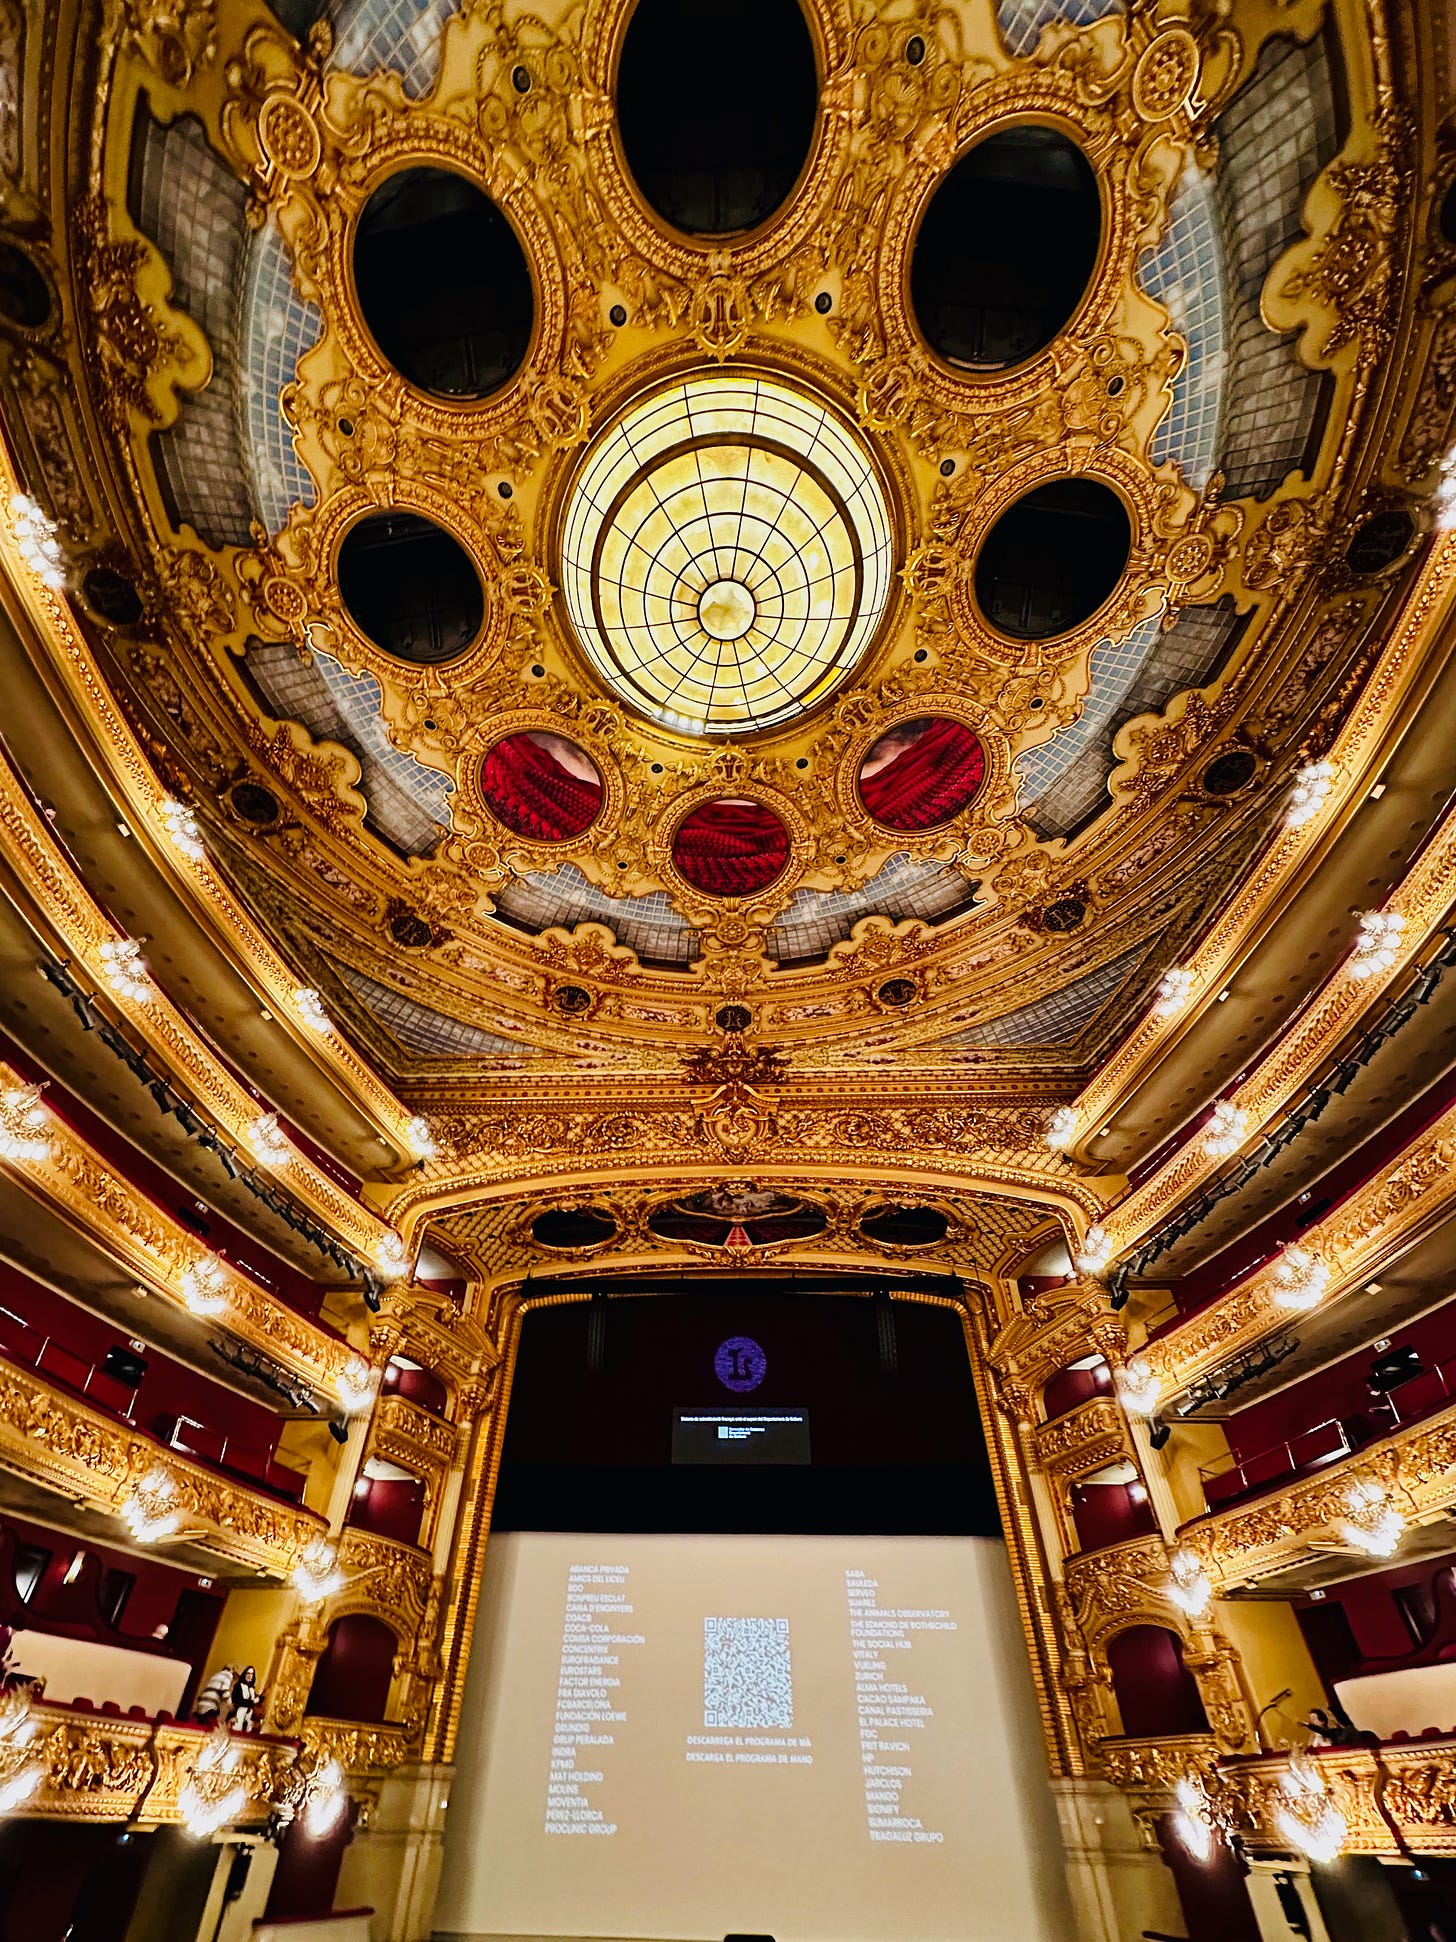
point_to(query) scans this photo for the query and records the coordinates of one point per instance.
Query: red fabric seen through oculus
(730, 848)
(921, 773)
(541, 786)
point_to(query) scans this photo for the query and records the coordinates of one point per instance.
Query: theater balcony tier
(54, 1444)
(1397, 1225)
(48, 898)
(56, 1180)
(107, 1766)
(1396, 1798)
(1324, 1032)
(1304, 1533)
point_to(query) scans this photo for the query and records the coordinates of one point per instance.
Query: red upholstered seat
(938, 770)
(731, 848)
(534, 793)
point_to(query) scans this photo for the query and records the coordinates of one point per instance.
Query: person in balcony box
(247, 1701)
(214, 1702)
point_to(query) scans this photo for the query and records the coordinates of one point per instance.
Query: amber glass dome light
(726, 553)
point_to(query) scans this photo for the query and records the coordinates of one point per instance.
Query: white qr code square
(747, 1679)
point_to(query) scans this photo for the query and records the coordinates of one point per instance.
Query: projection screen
(818, 1739)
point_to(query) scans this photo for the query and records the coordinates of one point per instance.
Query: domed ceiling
(617, 513)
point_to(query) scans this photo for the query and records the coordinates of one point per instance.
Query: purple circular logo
(740, 1364)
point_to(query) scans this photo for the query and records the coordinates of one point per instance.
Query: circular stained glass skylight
(726, 553)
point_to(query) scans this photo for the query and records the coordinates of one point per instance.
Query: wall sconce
(1300, 1279)
(213, 1793)
(1188, 1585)
(1372, 1524)
(316, 1575)
(21, 1114)
(1306, 1817)
(150, 1513)
(1137, 1388)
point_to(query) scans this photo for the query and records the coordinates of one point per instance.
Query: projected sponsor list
(588, 1695)
(888, 1711)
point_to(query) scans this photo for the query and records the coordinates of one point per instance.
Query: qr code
(747, 1679)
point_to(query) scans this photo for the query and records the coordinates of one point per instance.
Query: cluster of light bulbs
(269, 1141)
(1312, 785)
(1094, 1252)
(316, 1574)
(1175, 987)
(1371, 1522)
(214, 1793)
(1377, 943)
(21, 1118)
(1300, 1279)
(151, 1513)
(1226, 1130)
(391, 1257)
(1138, 1389)
(204, 1284)
(34, 533)
(356, 1385)
(421, 1140)
(310, 1007)
(184, 831)
(125, 970)
(1189, 1586)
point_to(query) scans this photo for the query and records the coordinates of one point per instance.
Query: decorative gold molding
(145, 1241)
(1415, 1467)
(81, 928)
(60, 1444)
(1379, 1221)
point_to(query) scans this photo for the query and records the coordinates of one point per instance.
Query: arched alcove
(1156, 1693)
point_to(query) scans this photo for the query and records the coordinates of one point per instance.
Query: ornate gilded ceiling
(763, 619)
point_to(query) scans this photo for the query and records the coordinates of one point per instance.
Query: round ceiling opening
(1006, 248)
(730, 848)
(716, 105)
(732, 1216)
(922, 773)
(542, 786)
(1052, 560)
(443, 283)
(726, 553)
(573, 1227)
(905, 1226)
(410, 587)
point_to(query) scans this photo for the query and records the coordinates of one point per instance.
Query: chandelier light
(1193, 1821)
(150, 1513)
(1188, 1586)
(325, 1800)
(1226, 1131)
(1371, 1524)
(316, 1575)
(310, 1008)
(1095, 1251)
(125, 970)
(1306, 1816)
(21, 1117)
(391, 1257)
(356, 1385)
(1174, 990)
(214, 1793)
(1446, 494)
(34, 533)
(420, 1139)
(1312, 785)
(203, 1285)
(21, 1770)
(184, 831)
(269, 1141)
(1137, 1388)
(1377, 943)
(1300, 1279)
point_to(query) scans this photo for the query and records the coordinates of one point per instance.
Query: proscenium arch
(513, 1300)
